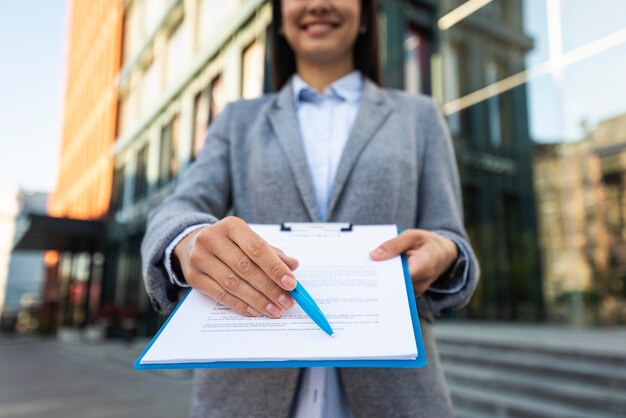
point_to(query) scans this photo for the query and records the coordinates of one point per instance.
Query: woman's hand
(234, 266)
(429, 255)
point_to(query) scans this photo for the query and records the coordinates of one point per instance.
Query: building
(73, 233)
(583, 225)
(22, 279)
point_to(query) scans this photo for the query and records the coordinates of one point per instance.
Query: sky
(32, 47)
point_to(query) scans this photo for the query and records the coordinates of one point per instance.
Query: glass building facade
(531, 93)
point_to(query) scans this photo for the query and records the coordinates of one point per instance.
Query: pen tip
(332, 335)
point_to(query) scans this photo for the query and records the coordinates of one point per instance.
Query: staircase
(496, 370)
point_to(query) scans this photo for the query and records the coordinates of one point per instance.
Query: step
(603, 342)
(554, 348)
(548, 365)
(495, 403)
(582, 393)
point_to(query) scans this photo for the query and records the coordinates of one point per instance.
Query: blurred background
(105, 103)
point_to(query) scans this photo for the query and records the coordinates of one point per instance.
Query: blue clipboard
(419, 361)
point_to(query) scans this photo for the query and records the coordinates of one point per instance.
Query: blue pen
(309, 306)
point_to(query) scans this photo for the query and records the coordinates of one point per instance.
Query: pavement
(48, 378)
(45, 377)
(584, 340)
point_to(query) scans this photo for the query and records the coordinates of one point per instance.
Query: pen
(309, 306)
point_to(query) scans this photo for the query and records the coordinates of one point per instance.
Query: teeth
(319, 26)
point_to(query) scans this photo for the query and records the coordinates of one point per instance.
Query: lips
(319, 26)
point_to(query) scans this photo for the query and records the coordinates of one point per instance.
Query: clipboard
(418, 362)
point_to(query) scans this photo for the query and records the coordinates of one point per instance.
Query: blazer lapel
(282, 117)
(373, 111)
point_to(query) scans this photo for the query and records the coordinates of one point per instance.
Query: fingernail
(288, 282)
(285, 301)
(378, 252)
(273, 310)
(252, 311)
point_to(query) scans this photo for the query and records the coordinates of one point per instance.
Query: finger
(237, 261)
(398, 245)
(291, 262)
(420, 265)
(212, 289)
(419, 287)
(263, 255)
(238, 287)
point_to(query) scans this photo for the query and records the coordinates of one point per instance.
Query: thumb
(291, 262)
(394, 247)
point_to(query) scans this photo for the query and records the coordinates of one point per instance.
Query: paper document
(365, 302)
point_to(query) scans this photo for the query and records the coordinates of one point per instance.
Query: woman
(329, 146)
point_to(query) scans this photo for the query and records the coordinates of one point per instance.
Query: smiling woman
(330, 146)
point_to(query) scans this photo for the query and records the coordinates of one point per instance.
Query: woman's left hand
(429, 255)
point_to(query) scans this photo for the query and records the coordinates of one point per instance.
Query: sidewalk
(47, 378)
(493, 369)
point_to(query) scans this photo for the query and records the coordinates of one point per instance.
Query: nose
(318, 6)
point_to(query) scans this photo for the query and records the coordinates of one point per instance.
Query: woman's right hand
(237, 268)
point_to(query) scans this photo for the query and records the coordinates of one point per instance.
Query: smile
(319, 28)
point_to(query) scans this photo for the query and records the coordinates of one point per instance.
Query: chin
(321, 55)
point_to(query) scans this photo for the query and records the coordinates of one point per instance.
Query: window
(211, 14)
(218, 98)
(499, 108)
(177, 53)
(200, 120)
(141, 174)
(170, 135)
(452, 83)
(416, 61)
(252, 74)
(118, 189)
(153, 14)
(208, 103)
(151, 86)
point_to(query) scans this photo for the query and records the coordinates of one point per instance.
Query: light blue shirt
(325, 122)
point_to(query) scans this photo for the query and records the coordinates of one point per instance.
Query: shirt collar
(348, 88)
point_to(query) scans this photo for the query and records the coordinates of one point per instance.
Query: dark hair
(365, 48)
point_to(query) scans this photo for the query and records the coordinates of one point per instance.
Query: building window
(208, 103)
(151, 86)
(416, 61)
(499, 108)
(177, 53)
(153, 14)
(170, 135)
(117, 199)
(211, 14)
(200, 120)
(141, 174)
(218, 98)
(452, 83)
(252, 74)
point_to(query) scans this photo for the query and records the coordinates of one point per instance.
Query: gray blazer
(398, 167)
